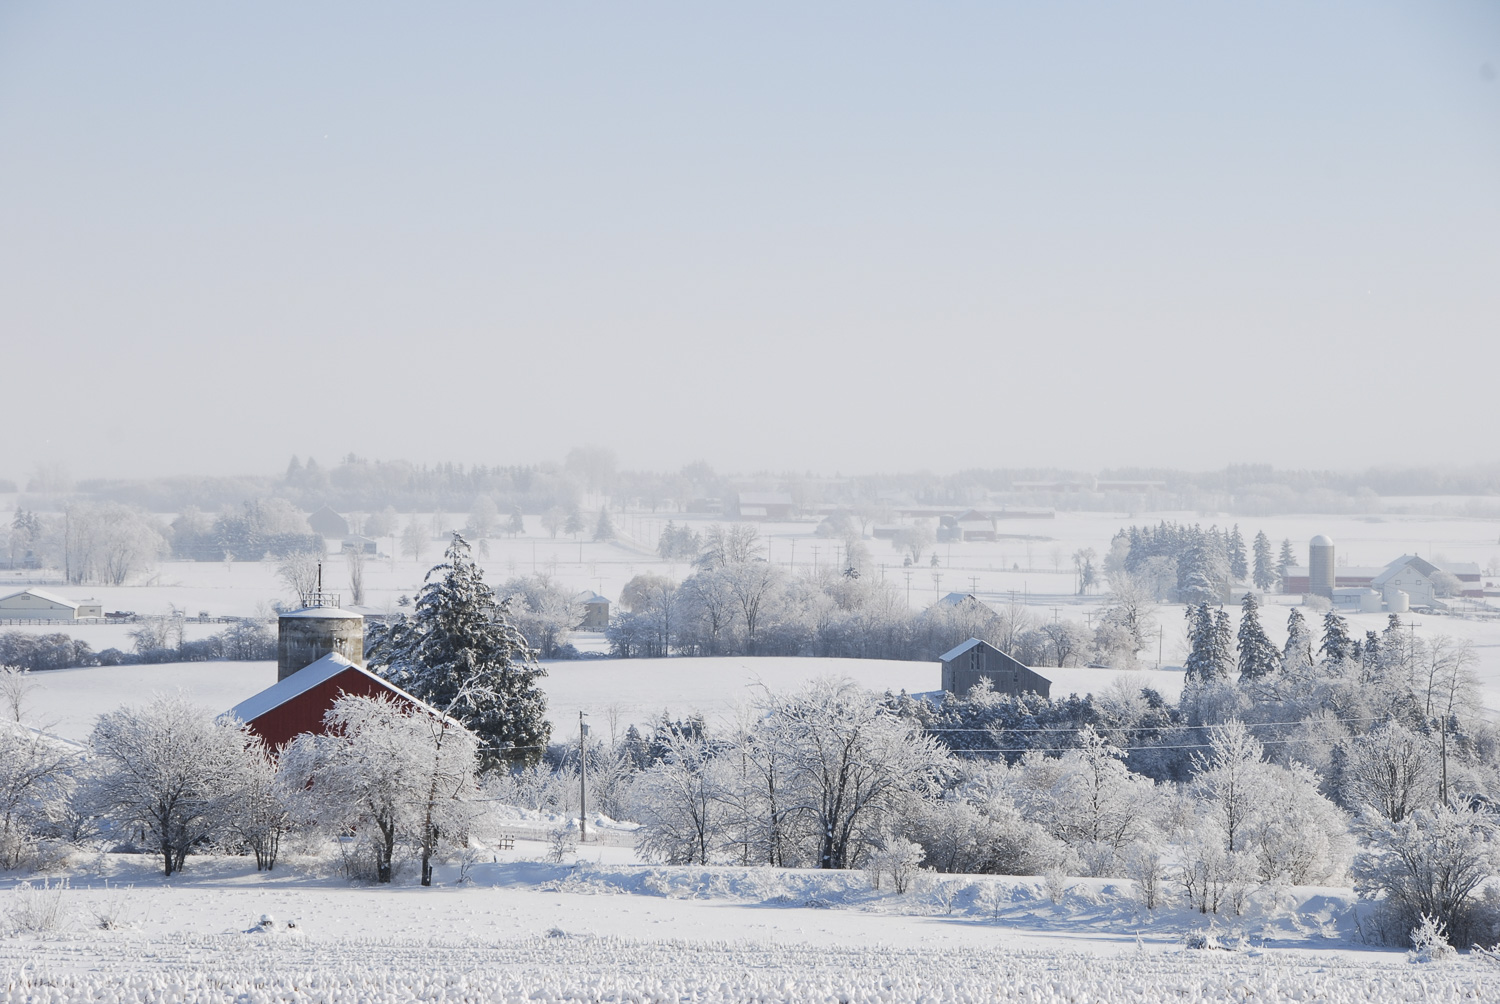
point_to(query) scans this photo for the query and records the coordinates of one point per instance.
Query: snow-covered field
(523, 930)
(613, 692)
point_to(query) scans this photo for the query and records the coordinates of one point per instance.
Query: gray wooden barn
(975, 660)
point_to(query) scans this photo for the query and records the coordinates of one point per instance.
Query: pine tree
(1210, 643)
(604, 529)
(460, 652)
(574, 524)
(1223, 643)
(1297, 653)
(1197, 581)
(1257, 656)
(1336, 645)
(1238, 566)
(1265, 575)
(517, 524)
(1288, 557)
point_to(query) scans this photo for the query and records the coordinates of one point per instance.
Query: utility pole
(583, 781)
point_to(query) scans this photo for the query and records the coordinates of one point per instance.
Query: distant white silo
(1320, 573)
(1397, 601)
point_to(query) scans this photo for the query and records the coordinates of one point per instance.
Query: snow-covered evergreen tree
(460, 652)
(517, 523)
(1210, 644)
(1336, 645)
(1239, 567)
(573, 525)
(604, 529)
(1297, 654)
(1287, 559)
(1265, 575)
(1258, 658)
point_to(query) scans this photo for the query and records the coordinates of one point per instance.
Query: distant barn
(766, 505)
(975, 660)
(327, 523)
(39, 604)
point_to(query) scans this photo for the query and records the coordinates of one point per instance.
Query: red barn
(297, 704)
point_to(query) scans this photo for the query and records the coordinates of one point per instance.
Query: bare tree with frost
(169, 769)
(394, 774)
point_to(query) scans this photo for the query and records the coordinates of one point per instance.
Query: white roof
(330, 613)
(305, 679)
(281, 691)
(960, 650)
(42, 594)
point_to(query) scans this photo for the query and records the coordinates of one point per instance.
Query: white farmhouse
(40, 605)
(1411, 575)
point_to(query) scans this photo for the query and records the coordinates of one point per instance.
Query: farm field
(597, 928)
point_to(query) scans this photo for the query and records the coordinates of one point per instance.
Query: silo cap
(323, 613)
(1322, 540)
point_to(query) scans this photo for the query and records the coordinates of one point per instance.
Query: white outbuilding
(41, 605)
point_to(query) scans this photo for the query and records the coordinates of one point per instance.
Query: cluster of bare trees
(753, 607)
(92, 542)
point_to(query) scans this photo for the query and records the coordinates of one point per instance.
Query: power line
(1193, 746)
(1154, 728)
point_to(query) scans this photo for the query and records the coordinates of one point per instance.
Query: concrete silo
(1320, 573)
(305, 636)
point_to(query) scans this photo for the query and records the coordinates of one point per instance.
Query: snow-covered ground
(593, 929)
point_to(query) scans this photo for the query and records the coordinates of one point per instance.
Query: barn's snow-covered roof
(954, 653)
(305, 679)
(42, 594)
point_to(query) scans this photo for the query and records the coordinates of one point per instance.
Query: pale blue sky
(836, 237)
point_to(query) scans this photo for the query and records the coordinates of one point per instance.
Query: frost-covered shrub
(1145, 863)
(1210, 874)
(1088, 799)
(1431, 864)
(38, 909)
(895, 860)
(562, 841)
(1055, 884)
(1429, 942)
(677, 803)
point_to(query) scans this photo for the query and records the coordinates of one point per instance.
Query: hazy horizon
(843, 239)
